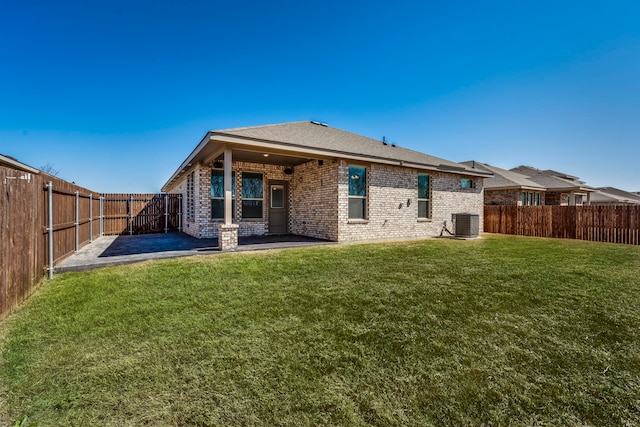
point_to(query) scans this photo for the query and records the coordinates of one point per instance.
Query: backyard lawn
(501, 330)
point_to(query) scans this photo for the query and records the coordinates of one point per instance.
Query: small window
(277, 196)
(466, 183)
(357, 192)
(252, 195)
(191, 214)
(217, 194)
(531, 199)
(424, 196)
(537, 199)
(523, 198)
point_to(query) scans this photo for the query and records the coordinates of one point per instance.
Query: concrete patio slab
(117, 250)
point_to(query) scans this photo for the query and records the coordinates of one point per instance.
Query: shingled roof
(317, 140)
(310, 134)
(504, 179)
(615, 195)
(553, 180)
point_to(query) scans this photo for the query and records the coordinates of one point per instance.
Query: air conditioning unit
(466, 224)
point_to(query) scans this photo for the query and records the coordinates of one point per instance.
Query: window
(466, 183)
(357, 192)
(217, 194)
(252, 195)
(523, 198)
(531, 199)
(537, 199)
(277, 196)
(424, 208)
(191, 215)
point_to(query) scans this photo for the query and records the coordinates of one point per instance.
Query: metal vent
(466, 224)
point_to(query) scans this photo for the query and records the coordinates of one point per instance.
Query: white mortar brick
(319, 202)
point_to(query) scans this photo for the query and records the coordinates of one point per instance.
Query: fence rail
(44, 219)
(611, 224)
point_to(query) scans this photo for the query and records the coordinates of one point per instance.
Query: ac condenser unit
(466, 224)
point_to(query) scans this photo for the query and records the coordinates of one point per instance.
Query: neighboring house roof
(504, 179)
(553, 180)
(554, 183)
(614, 196)
(13, 163)
(313, 140)
(531, 171)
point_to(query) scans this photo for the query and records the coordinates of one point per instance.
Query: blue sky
(116, 94)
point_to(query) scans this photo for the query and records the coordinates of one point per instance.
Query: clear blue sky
(116, 94)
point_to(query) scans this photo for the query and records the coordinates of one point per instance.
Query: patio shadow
(153, 243)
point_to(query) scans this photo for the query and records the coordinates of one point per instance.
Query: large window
(252, 195)
(357, 192)
(217, 194)
(530, 199)
(424, 198)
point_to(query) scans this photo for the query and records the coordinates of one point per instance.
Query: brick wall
(502, 197)
(510, 197)
(197, 226)
(204, 226)
(555, 198)
(318, 202)
(314, 200)
(392, 203)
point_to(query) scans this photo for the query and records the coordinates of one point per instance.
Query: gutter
(17, 165)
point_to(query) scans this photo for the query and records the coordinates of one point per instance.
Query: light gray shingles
(503, 178)
(309, 135)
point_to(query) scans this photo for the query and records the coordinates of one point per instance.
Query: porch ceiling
(209, 151)
(265, 157)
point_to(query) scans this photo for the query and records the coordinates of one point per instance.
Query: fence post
(130, 215)
(90, 217)
(166, 213)
(180, 212)
(101, 216)
(50, 228)
(77, 218)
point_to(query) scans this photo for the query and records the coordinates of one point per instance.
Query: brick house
(510, 188)
(309, 179)
(528, 186)
(561, 188)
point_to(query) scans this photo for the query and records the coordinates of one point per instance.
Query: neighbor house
(509, 188)
(309, 179)
(561, 188)
(614, 196)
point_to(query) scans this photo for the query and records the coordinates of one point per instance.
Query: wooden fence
(612, 224)
(141, 213)
(21, 220)
(41, 224)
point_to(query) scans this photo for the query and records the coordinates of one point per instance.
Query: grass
(503, 330)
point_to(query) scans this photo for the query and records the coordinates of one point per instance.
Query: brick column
(228, 237)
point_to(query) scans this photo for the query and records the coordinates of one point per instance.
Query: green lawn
(502, 330)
